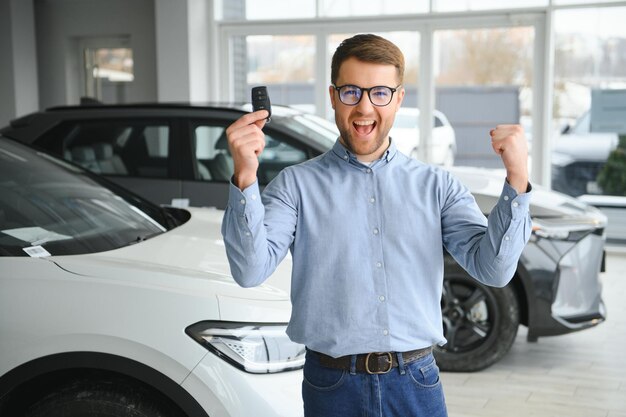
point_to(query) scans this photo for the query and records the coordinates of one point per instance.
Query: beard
(361, 147)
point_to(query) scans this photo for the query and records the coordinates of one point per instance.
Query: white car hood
(486, 186)
(190, 258)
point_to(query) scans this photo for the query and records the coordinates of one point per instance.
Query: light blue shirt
(367, 245)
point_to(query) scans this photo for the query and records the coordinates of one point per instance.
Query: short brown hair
(367, 48)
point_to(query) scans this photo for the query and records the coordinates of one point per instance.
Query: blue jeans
(410, 390)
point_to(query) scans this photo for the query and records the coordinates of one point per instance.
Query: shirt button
(515, 204)
(368, 170)
(372, 199)
(345, 157)
(381, 298)
(506, 198)
(507, 238)
(376, 231)
(386, 332)
(242, 201)
(247, 233)
(379, 264)
(253, 196)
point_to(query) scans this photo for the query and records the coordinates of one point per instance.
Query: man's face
(364, 128)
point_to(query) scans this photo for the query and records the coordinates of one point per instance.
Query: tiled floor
(581, 374)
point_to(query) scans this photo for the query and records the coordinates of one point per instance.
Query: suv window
(113, 147)
(213, 161)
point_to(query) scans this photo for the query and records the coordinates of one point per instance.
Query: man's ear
(331, 92)
(400, 96)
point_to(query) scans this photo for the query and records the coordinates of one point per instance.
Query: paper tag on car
(36, 252)
(180, 202)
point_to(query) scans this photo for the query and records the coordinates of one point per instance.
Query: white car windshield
(50, 207)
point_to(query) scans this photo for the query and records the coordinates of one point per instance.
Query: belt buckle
(378, 354)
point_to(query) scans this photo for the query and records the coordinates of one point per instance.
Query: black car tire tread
(110, 398)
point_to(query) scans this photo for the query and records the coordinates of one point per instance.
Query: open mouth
(364, 127)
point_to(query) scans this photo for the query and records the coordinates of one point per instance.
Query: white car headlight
(257, 348)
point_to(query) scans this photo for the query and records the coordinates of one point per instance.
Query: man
(366, 226)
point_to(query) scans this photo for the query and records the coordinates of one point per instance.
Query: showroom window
(467, 5)
(483, 78)
(302, 9)
(590, 73)
(265, 10)
(343, 8)
(233, 10)
(285, 64)
(542, 44)
(108, 73)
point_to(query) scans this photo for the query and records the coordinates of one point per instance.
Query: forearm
(244, 178)
(518, 181)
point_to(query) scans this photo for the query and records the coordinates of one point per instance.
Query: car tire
(111, 398)
(480, 323)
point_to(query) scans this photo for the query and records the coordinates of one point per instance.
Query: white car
(110, 305)
(579, 155)
(406, 133)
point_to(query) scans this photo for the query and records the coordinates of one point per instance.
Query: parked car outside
(406, 133)
(111, 305)
(578, 157)
(165, 150)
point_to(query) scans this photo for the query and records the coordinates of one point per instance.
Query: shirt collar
(343, 153)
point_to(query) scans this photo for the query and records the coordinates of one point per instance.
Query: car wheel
(113, 398)
(480, 323)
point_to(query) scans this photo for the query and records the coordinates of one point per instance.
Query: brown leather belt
(374, 362)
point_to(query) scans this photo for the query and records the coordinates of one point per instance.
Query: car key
(261, 100)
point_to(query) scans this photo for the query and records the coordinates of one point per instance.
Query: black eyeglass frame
(367, 90)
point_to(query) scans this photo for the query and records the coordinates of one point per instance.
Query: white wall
(182, 36)
(173, 50)
(18, 72)
(61, 24)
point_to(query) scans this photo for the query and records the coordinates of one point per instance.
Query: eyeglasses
(380, 95)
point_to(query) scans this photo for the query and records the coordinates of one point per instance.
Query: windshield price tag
(36, 252)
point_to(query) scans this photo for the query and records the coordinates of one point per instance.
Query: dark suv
(169, 153)
(178, 155)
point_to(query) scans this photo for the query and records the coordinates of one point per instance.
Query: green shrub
(612, 177)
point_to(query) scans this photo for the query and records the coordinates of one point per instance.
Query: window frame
(540, 18)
